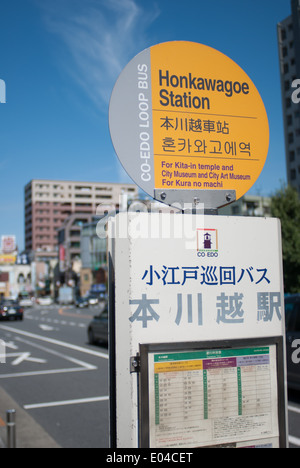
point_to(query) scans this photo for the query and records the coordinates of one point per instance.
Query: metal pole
(11, 428)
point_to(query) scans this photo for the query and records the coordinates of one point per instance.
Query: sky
(61, 58)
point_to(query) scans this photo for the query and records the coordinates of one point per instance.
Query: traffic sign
(184, 117)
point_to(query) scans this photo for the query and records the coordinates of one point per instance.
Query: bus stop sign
(183, 118)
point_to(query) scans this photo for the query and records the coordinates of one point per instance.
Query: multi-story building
(93, 256)
(49, 202)
(248, 205)
(4, 285)
(69, 239)
(289, 57)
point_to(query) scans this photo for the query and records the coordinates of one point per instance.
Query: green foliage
(285, 205)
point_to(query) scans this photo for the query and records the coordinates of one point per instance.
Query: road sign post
(197, 323)
(198, 332)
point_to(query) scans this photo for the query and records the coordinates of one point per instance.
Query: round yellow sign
(210, 127)
(184, 116)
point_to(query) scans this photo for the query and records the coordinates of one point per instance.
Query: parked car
(82, 302)
(11, 310)
(98, 328)
(93, 299)
(25, 301)
(66, 295)
(97, 294)
(99, 290)
(44, 301)
(292, 319)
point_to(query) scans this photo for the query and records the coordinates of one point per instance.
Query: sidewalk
(28, 432)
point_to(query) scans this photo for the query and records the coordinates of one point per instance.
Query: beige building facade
(49, 202)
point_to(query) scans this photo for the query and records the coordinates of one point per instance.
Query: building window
(286, 85)
(235, 210)
(75, 245)
(293, 174)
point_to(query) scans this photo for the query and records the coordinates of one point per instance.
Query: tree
(285, 205)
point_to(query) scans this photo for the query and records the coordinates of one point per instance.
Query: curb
(29, 433)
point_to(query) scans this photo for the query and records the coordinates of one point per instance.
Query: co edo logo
(207, 243)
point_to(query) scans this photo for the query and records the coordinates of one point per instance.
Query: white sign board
(8, 244)
(186, 279)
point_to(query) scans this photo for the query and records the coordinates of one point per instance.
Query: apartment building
(69, 237)
(248, 205)
(288, 32)
(49, 202)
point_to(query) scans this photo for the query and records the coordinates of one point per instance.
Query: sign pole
(199, 201)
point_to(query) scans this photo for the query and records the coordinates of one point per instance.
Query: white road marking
(57, 322)
(11, 345)
(294, 441)
(84, 366)
(56, 342)
(21, 357)
(47, 372)
(46, 328)
(294, 409)
(56, 353)
(26, 357)
(66, 402)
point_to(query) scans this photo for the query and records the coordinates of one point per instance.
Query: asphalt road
(56, 376)
(294, 418)
(61, 381)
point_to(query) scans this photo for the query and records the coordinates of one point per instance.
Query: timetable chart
(211, 396)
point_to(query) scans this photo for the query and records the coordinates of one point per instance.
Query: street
(62, 382)
(56, 376)
(294, 419)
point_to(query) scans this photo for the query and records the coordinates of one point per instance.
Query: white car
(26, 302)
(93, 300)
(44, 301)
